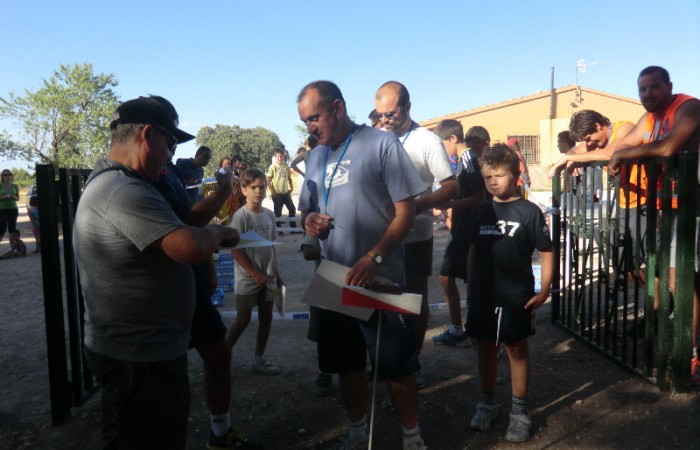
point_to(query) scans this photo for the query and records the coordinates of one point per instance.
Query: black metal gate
(70, 381)
(604, 284)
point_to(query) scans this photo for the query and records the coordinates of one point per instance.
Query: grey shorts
(250, 301)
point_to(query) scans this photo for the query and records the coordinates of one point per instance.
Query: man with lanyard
(672, 124)
(393, 105)
(357, 197)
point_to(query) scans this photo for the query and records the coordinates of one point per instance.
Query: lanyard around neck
(327, 191)
(408, 133)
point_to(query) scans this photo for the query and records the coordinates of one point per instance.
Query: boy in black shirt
(503, 234)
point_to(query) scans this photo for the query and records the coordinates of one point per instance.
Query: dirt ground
(579, 398)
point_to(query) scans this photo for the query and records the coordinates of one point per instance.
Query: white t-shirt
(429, 157)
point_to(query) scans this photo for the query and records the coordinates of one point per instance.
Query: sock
(519, 406)
(456, 330)
(695, 352)
(487, 399)
(220, 423)
(358, 428)
(411, 436)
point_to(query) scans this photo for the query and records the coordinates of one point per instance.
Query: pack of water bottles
(224, 274)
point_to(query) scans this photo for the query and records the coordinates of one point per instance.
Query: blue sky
(243, 62)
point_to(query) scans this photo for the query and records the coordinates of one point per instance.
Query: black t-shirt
(505, 235)
(470, 182)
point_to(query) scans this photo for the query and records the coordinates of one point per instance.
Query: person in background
(503, 234)
(279, 180)
(33, 213)
(207, 331)
(17, 247)
(670, 125)
(302, 154)
(9, 194)
(524, 179)
(225, 163)
(393, 105)
(471, 192)
(191, 170)
(374, 119)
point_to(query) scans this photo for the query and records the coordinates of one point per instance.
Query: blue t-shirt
(374, 173)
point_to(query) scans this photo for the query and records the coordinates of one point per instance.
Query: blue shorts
(343, 343)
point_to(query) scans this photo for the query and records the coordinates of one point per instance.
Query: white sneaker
(263, 367)
(484, 417)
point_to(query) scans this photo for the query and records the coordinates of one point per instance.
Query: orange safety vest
(656, 127)
(637, 193)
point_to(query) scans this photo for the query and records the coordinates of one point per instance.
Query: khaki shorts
(250, 301)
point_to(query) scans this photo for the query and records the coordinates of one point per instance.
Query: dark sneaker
(323, 384)
(484, 417)
(233, 439)
(420, 380)
(351, 442)
(448, 338)
(519, 428)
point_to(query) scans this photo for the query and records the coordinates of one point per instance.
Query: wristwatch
(377, 258)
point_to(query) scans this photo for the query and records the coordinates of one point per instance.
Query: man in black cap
(134, 256)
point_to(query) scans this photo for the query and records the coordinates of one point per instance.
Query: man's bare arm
(685, 126)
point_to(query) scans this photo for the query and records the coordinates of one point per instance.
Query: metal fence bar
(70, 381)
(601, 291)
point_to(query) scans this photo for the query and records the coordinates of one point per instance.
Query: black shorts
(418, 257)
(343, 343)
(454, 261)
(144, 404)
(207, 326)
(507, 324)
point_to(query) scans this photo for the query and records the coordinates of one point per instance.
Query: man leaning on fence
(134, 256)
(670, 125)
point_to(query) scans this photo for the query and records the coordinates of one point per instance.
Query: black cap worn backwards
(148, 111)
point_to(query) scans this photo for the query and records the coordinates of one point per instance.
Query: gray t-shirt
(138, 301)
(374, 173)
(263, 258)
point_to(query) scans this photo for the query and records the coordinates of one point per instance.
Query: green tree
(65, 122)
(255, 146)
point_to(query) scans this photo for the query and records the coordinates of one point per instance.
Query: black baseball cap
(148, 111)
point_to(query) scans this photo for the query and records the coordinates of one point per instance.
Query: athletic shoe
(448, 338)
(233, 439)
(323, 384)
(484, 417)
(264, 367)
(420, 381)
(354, 442)
(695, 371)
(519, 428)
(420, 445)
